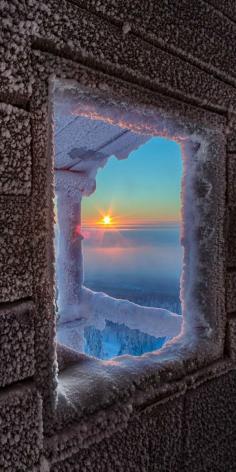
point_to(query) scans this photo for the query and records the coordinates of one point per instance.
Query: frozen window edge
(75, 177)
(201, 325)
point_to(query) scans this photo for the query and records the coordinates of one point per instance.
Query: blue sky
(143, 189)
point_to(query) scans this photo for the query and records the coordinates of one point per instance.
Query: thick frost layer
(97, 307)
(80, 140)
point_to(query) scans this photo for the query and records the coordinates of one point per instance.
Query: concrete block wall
(231, 234)
(21, 428)
(180, 56)
(17, 360)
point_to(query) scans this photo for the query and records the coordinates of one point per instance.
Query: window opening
(118, 251)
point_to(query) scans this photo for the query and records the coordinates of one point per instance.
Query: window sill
(87, 385)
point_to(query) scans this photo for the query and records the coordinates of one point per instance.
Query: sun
(106, 220)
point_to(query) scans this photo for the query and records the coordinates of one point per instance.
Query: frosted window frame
(185, 355)
(194, 321)
(73, 187)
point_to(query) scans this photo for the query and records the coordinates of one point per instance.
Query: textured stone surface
(151, 442)
(227, 7)
(220, 457)
(231, 238)
(15, 152)
(210, 416)
(16, 342)
(96, 42)
(21, 429)
(231, 292)
(15, 249)
(231, 132)
(232, 179)
(231, 338)
(231, 140)
(15, 80)
(194, 30)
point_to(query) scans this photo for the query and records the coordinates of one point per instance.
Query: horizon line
(130, 225)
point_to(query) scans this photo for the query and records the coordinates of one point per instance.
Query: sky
(143, 190)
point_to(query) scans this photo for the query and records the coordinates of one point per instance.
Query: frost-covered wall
(178, 411)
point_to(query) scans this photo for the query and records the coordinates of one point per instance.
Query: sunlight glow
(106, 220)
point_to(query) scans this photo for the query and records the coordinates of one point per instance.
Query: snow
(82, 140)
(95, 309)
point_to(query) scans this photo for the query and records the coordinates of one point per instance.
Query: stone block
(230, 345)
(231, 238)
(151, 442)
(15, 71)
(231, 134)
(220, 457)
(232, 178)
(231, 141)
(210, 416)
(21, 429)
(15, 249)
(128, 56)
(231, 292)
(16, 342)
(15, 152)
(195, 30)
